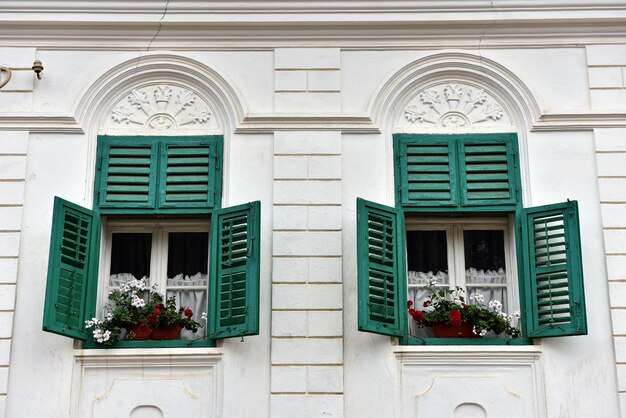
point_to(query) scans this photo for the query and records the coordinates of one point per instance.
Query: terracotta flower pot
(138, 332)
(443, 330)
(171, 332)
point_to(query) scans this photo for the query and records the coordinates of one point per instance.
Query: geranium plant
(135, 306)
(448, 306)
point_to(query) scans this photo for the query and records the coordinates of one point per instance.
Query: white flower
(138, 302)
(483, 332)
(204, 316)
(495, 306)
(109, 316)
(458, 301)
(432, 281)
(516, 315)
(477, 297)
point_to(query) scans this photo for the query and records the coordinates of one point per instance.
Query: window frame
(234, 259)
(459, 208)
(159, 228)
(455, 227)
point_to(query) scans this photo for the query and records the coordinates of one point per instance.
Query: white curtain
(474, 278)
(195, 299)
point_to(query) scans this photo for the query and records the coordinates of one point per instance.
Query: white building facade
(308, 105)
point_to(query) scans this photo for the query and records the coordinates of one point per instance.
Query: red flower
(409, 304)
(157, 311)
(455, 318)
(464, 305)
(427, 303)
(418, 316)
(411, 311)
(159, 306)
(153, 319)
(188, 313)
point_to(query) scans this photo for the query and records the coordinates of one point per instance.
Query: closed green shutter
(234, 282)
(128, 174)
(554, 289)
(427, 169)
(186, 174)
(70, 272)
(380, 267)
(487, 170)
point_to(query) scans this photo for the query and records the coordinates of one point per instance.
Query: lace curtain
(473, 278)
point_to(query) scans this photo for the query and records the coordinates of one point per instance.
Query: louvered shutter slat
(185, 174)
(128, 174)
(380, 282)
(554, 288)
(487, 170)
(235, 246)
(71, 245)
(427, 172)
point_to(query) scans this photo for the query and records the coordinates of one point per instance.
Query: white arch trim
(393, 96)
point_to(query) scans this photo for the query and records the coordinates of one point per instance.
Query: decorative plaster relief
(454, 106)
(174, 384)
(161, 108)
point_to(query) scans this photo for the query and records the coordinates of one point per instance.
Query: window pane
(187, 253)
(427, 255)
(130, 257)
(187, 267)
(485, 264)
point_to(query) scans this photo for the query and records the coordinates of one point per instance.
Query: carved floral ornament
(160, 108)
(454, 106)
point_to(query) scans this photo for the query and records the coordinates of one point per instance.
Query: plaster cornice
(192, 32)
(258, 124)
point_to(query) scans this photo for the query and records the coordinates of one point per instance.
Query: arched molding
(160, 69)
(395, 94)
(519, 107)
(148, 74)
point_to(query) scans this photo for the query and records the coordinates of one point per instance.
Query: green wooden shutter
(554, 290)
(69, 274)
(234, 282)
(187, 173)
(128, 173)
(488, 170)
(380, 269)
(427, 171)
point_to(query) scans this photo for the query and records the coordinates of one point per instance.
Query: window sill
(119, 353)
(182, 344)
(467, 350)
(466, 341)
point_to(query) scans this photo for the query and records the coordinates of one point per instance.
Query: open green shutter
(487, 170)
(187, 173)
(427, 170)
(234, 275)
(554, 290)
(69, 274)
(381, 282)
(127, 173)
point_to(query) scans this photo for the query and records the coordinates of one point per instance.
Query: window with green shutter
(158, 175)
(555, 297)
(380, 279)
(234, 296)
(71, 274)
(456, 172)
(459, 219)
(193, 250)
